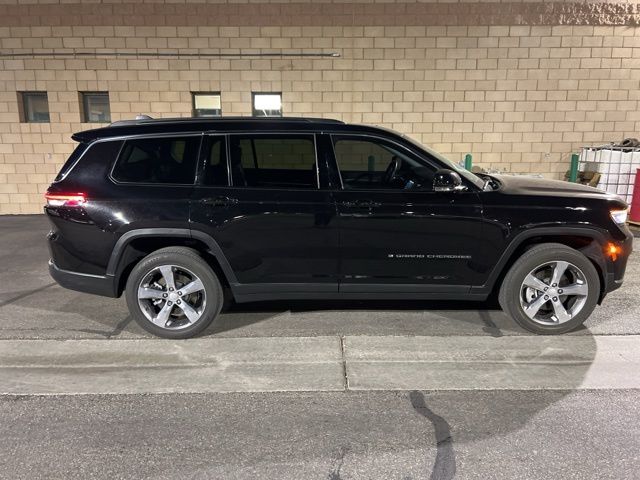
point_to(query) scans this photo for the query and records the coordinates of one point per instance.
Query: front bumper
(83, 282)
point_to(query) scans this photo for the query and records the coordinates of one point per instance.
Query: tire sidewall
(510, 291)
(195, 264)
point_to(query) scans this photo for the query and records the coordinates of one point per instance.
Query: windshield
(477, 181)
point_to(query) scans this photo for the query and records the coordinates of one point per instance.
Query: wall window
(158, 160)
(95, 107)
(267, 104)
(34, 107)
(206, 104)
(273, 161)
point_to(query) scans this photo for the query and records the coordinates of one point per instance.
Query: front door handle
(360, 204)
(219, 201)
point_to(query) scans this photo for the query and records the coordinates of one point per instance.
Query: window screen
(274, 161)
(158, 160)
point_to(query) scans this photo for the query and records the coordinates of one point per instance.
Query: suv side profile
(179, 213)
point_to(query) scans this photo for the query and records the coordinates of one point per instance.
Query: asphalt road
(431, 390)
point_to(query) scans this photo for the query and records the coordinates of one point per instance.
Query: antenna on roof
(141, 116)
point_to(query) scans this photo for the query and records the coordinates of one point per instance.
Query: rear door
(272, 221)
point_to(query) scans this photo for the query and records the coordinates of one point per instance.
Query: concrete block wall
(518, 84)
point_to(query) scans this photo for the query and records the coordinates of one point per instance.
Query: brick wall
(518, 84)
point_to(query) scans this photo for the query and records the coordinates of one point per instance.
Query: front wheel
(173, 293)
(550, 289)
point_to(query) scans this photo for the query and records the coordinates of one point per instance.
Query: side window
(273, 161)
(215, 170)
(366, 163)
(158, 160)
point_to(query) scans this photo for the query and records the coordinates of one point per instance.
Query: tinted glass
(373, 164)
(215, 172)
(158, 160)
(71, 161)
(274, 161)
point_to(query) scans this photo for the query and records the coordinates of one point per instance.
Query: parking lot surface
(331, 390)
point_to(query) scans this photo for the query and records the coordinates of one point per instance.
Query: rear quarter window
(166, 160)
(71, 161)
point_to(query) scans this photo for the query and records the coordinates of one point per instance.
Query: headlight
(619, 216)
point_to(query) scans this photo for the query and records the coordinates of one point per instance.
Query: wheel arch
(590, 242)
(134, 245)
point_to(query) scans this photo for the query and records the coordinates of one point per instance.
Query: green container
(468, 161)
(573, 170)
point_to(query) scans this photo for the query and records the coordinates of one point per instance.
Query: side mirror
(446, 180)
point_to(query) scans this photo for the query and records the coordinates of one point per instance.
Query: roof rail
(146, 119)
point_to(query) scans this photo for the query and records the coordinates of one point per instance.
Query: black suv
(178, 213)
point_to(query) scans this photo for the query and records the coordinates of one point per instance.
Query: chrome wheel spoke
(192, 287)
(560, 312)
(149, 293)
(167, 274)
(558, 272)
(580, 289)
(189, 311)
(532, 308)
(163, 315)
(534, 282)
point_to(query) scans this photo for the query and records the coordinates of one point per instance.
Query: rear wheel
(173, 293)
(550, 289)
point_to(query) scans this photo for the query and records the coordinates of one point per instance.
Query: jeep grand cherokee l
(176, 212)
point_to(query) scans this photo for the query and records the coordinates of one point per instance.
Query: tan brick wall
(520, 97)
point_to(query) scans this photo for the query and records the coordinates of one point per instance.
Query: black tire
(510, 290)
(190, 260)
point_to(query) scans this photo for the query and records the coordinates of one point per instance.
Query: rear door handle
(360, 204)
(219, 201)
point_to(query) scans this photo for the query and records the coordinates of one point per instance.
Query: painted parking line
(154, 366)
(470, 363)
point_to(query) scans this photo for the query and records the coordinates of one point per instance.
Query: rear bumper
(83, 282)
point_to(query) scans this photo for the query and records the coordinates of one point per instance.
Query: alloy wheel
(172, 297)
(553, 293)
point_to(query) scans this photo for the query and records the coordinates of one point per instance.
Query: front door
(273, 223)
(396, 233)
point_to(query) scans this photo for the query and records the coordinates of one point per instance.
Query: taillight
(65, 199)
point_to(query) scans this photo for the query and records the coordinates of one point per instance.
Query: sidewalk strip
(505, 363)
(159, 366)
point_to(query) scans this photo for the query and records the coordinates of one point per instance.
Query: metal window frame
(24, 96)
(253, 103)
(193, 103)
(84, 104)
